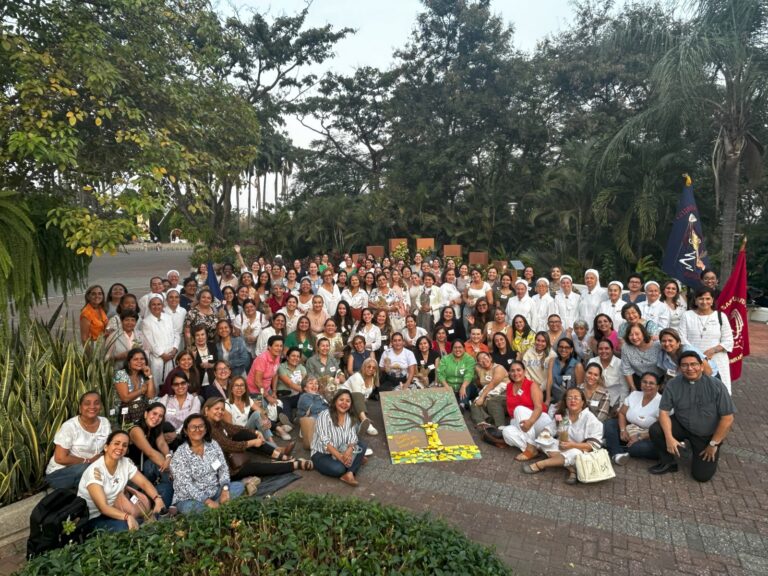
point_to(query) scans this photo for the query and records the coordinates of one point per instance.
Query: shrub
(43, 372)
(295, 534)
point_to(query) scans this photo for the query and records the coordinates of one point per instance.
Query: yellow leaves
(97, 122)
(87, 188)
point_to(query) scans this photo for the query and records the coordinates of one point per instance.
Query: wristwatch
(714, 444)
(225, 488)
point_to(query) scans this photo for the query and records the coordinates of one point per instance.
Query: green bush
(43, 372)
(295, 534)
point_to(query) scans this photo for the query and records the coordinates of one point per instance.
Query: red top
(522, 398)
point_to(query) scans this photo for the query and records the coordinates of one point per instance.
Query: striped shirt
(326, 432)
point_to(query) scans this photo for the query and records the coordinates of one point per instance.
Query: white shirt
(372, 337)
(567, 308)
(615, 384)
(398, 363)
(79, 442)
(113, 485)
(177, 318)
(449, 292)
(659, 312)
(639, 415)
(589, 304)
(412, 341)
(613, 311)
(238, 418)
(356, 383)
(330, 299)
(704, 332)
(522, 306)
(159, 334)
(540, 311)
(357, 301)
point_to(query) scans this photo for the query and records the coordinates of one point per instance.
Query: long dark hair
(332, 407)
(526, 328)
(595, 331)
(346, 321)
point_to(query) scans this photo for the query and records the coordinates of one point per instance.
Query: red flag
(733, 303)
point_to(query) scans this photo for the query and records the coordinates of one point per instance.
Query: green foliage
(43, 372)
(294, 534)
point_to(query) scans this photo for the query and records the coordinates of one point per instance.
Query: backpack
(47, 522)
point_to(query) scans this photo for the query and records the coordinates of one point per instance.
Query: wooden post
(452, 250)
(375, 251)
(478, 258)
(425, 244)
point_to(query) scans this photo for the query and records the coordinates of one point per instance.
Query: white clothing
(250, 329)
(113, 485)
(449, 292)
(79, 442)
(522, 306)
(238, 418)
(357, 301)
(514, 435)
(587, 428)
(613, 311)
(704, 332)
(160, 338)
(143, 304)
(175, 414)
(330, 299)
(567, 307)
(356, 383)
(659, 312)
(177, 319)
(398, 364)
(589, 304)
(435, 294)
(291, 322)
(675, 316)
(262, 342)
(412, 341)
(473, 294)
(639, 415)
(540, 311)
(372, 337)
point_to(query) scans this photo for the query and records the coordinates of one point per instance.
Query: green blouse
(306, 347)
(456, 371)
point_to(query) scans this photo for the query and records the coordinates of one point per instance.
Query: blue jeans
(472, 393)
(329, 466)
(193, 506)
(161, 480)
(67, 477)
(614, 445)
(105, 523)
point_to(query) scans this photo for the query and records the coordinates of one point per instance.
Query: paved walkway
(636, 524)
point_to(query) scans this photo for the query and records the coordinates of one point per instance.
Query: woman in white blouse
(709, 330)
(653, 308)
(578, 431)
(161, 340)
(355, 296)
(674, 301)
(368, 330)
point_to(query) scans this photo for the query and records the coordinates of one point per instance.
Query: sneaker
(621, 459)
(365, 425)
(372, 431)
(284, 435)
(368, 452)
(285, 421)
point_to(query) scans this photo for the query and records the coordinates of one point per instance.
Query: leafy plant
(43, 372)
(401, 252)
(295, 534)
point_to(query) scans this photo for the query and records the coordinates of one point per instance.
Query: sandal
(302, 464)
(283, 457)
(529, 468)
(529, 454)
(350, 480)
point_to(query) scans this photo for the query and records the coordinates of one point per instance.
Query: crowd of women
(204, 384)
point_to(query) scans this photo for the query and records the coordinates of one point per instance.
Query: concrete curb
(14, 524)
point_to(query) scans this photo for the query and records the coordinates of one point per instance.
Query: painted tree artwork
(426, 426)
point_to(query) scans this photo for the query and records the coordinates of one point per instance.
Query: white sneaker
(368, 452)
(621, 459)
(372, 431)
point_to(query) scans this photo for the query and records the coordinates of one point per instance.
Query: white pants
(514, 435)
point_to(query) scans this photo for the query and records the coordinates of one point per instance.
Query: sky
(385, 25)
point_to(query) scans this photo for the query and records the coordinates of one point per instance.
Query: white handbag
(594, 466)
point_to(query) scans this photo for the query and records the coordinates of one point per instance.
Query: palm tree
(714, 70)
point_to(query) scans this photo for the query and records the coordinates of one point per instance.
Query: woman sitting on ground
(77, 443)
(178, 405)
(628, 435)
(454, 328)
(242, 410)
(357, 355)
(134, 386)
(492, 379)
(583, 433)
(311, 404)
(150, 452)
(457, 373)
(565, 371)
(528, 413)
(243, 447)
(336, 450)
(597, 397)
(200, 479)
(537, 359)
(360, 385)
(427, 363)
(103, 486)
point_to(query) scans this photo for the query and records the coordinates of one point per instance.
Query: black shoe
(663, 468)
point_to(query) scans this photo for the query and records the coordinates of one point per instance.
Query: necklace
(87, 427)
(702, 323)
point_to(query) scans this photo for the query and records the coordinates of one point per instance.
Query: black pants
(255, 466)
(290, 402)
(390, 382)
(700, 470)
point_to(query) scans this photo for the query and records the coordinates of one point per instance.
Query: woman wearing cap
(162, 341)
(543, 305)
(592, 297)
(653, 308)
(520, 304)
(613, 306)
(566, 303)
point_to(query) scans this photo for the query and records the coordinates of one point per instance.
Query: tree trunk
(237, 206)
(248, 222)
(257, 184)
(730, 183)
(284, 190)
(277, 179)
(264, 193)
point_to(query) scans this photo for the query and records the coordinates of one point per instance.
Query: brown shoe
(350, 479)
(288, 448)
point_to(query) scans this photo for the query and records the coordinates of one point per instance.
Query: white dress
(704, 332)
(658, 312)
(520, 306)
(567, 308)
(540, 311)
(589, 304)
(160, 338)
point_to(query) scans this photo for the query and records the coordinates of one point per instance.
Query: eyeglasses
(180, 383)
(198, 428)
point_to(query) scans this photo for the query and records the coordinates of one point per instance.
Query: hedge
(296, 534)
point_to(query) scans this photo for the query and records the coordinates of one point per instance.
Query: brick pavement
(635, 524)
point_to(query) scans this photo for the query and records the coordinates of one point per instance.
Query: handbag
(594, 466)
(272, 410)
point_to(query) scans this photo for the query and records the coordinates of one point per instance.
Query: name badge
(451, 331)
(519, 392)
(112, 412)
(215, 465)
(431, 366)
(462, 370)
(134, 499)
(672, 372)
(124, 411)
(383, 338)
(488, 378)
(332, 369)
(509, 360)
(594, 403)
(171, 411)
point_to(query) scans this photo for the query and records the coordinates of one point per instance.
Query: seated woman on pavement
(565, 371)
(360, 385)
(457, 372)
(490, 403)
(200, 476)
(150, 452)
(627, 435)
(598, 400)
(528, 413)
(578, 431)
(78, 443)
(398, 365)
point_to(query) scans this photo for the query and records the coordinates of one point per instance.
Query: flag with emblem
(733, 303)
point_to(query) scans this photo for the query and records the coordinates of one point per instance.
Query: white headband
(521, 281)
(616, 283)
(172, 272)
(645, 287)
(542, 280)
(566, 277)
